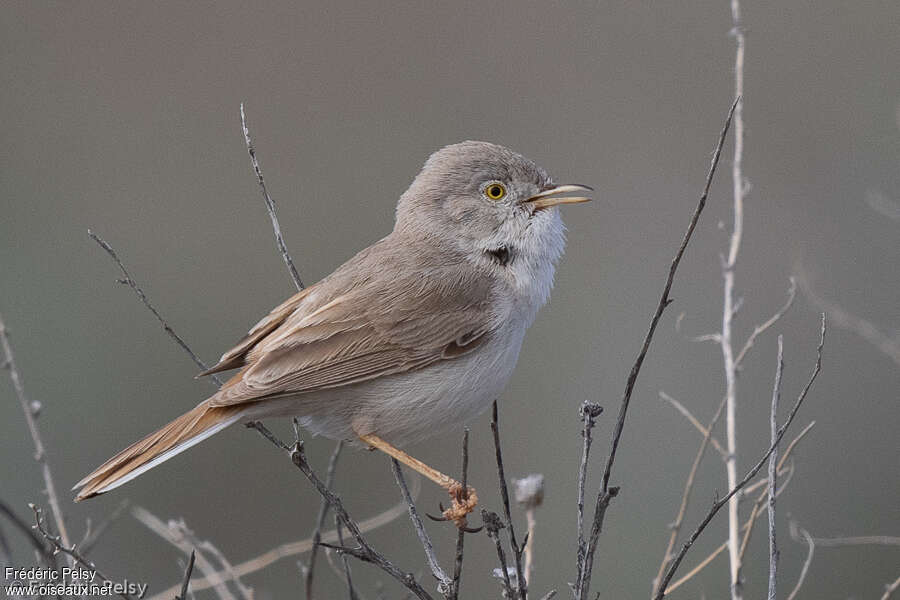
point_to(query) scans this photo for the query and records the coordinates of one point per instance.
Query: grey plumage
(414, 334)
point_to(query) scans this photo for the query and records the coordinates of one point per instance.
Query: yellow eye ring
(495, 190)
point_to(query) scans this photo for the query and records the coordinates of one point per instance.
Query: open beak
(552, 197)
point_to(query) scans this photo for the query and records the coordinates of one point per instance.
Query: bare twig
(26, 530)
(348, 576)
(444, 581)
(70, 551)
(130, 282)
(773, 470)
(704, 431)
(728, 305)
(844, 319)
(862, 540)
(206, 546)
(40, 454)
(521, 585)
(747, 528)
(663, 588)
(493, 524)
(93, 535)
(178, 534)
(320, 522)
(290, 549)
(675, 528)
(461, 531)
(796, 533)
(364, 551)
(589, 413)
(529, 496)
(760, 329)
(583, 581)
(890, 588)
(270, 205)
(187, 578)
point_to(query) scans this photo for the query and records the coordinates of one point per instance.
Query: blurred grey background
(123, 118)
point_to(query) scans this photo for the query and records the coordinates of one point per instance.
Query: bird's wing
(351, 331)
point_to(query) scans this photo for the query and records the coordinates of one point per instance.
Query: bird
(414, 335)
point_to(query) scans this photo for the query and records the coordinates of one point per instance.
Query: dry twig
(675, 527)
(130, 282)
(29, 409)
(178, 534)
(728, 306)
(521, 585)
(607, 493)
(796, 533)
(364, 551)
(308, 569)
(589, 413)
(706, 432)
(290, 549)
(70, 551)
(445, 583)
(663, 587)
(747, 527)
(461, 531)
(270, 205)
(773, 470)
(187, 578)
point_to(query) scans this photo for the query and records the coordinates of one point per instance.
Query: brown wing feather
(352, 331)
(235, 357)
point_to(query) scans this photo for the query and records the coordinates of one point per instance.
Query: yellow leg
(462, 501)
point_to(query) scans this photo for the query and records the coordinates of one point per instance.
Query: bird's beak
(551, 197)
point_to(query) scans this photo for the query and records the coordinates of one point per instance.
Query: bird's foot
(463, 501)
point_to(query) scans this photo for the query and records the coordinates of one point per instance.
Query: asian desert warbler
(417, 333)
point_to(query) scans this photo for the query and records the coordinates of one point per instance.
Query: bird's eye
(495, 190)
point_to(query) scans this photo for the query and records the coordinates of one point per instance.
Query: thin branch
(206, 546)
(796, 533)
(26, 530)
(728, 304)
(445, 583)
(493, 524)
(461, 531)
(348, 576)
(70, 551)
(755, 513)
(704, 431)
(675, 528)
(187, 578)
(582, 584)
(364, 551)
(521, 585)
(589, 413)
(841, 317)
(760, 329)
(529, 496)
(862, 540)
(270, 205)
(178, 534)
(290, 549)
(130, 282)
(40, 454)
(320, 522)
(890, 588)
(773, 471)
(750, 474)
(93, 535)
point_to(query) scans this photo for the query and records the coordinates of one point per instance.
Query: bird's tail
(190, 428)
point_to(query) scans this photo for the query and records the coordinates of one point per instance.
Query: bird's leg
(463, 501)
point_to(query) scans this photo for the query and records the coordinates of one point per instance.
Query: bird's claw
(463, 502)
